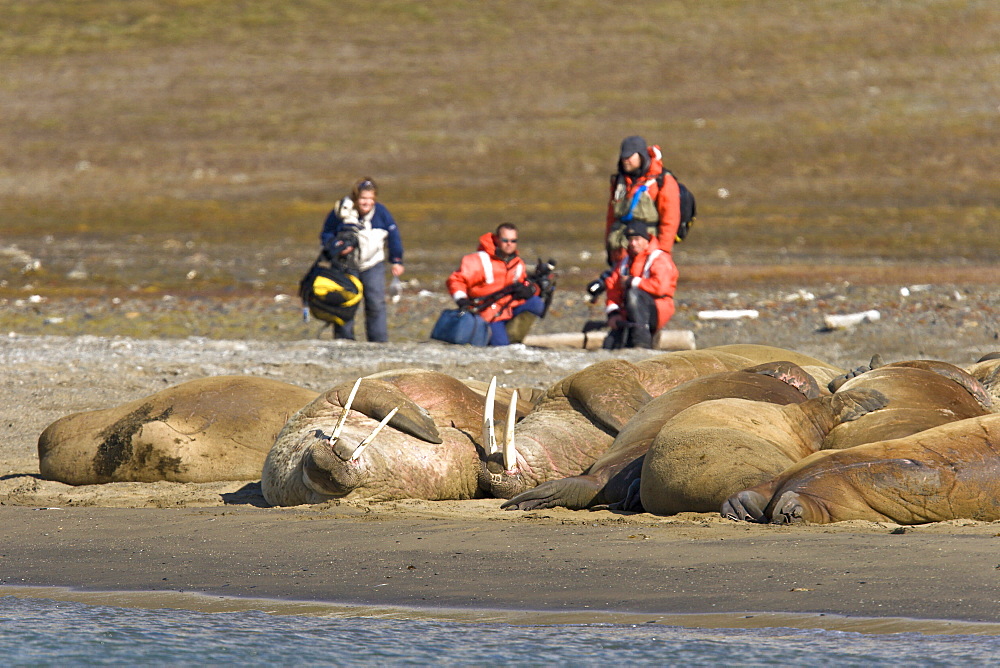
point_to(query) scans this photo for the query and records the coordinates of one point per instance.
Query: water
(43, 632)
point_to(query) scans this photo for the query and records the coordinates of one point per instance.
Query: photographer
(640, 291)
(493, 282)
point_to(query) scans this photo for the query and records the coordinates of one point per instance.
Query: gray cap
(633, 144)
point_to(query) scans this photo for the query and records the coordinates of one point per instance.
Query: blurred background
(194, 148)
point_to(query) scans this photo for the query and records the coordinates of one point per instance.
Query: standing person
(641, 192)
(360, 228)
(640, 291)
(493, 282)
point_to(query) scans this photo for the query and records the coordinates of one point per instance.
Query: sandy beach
(217, 546)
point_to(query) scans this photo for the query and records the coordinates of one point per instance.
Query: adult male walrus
(613, 476)
(204, 430)
(407, 433)
(947, 472)
(579, 416)
(708, 451)
(922, 394)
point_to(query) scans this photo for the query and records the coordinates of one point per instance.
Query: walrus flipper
(377, 398)
(745, 506)
(574, 493)
(875, 363)
(852, 404)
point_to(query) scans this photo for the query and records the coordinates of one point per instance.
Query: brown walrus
(922, 394)
(947, 472)
(611, 478)
(407, 433)
(215, 428)
(706, 452)
(579, 416)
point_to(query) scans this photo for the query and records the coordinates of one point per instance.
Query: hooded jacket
(655, 205)
(482, 273)
(653, 271)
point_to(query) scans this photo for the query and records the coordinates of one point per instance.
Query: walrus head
(501, 467)
(332, 465)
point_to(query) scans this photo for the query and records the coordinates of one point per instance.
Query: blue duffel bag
(459, 326)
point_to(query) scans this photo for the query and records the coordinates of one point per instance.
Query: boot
(641, 337)
(519, 325)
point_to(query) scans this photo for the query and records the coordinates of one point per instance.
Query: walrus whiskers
(371, 437)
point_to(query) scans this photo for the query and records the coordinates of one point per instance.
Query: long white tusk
(343, 416)
(509, 451)
(371, 437)
(489, 435)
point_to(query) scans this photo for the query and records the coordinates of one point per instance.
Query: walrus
(706, 452)
(987, 371)
(922, 394)
(579, 416)
(204, 430)
(951, 471)
(611, 479)
(398, 434)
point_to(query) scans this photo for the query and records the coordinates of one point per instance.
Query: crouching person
(640, 291)
(493, 282)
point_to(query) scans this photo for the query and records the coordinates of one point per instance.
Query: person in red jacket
(493, 282)
(640, 291)
(641, 192)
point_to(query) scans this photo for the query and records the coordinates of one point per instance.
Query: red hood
(488, 243)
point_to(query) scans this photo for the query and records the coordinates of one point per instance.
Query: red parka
(665, 200)
(482, 273)
(654, 271)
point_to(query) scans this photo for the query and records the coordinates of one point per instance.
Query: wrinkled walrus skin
(922, 394)
(611, 477)
(579, 416)
(205, 430)
(948, 472)
(709, 451)
(428, 450)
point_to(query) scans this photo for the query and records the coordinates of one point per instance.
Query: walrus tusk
(489, 435)
(509, 451)
(343, 416)
(371, 437)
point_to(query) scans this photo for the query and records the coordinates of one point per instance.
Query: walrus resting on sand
(948, 472)
(579, 416)
(612, 478)
(426, 425)
(205, 430)
(708, 451)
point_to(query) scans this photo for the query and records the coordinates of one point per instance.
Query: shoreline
(493, 565)
(213, 604)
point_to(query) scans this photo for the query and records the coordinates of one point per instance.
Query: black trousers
(640, 325)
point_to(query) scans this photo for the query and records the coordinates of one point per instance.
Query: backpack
(330, 293)
(688, 208)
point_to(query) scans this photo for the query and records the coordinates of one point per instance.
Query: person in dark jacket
(359, 229)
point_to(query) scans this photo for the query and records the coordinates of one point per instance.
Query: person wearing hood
(641, 192)
(640, 291)
(358, 231)
(493, 282)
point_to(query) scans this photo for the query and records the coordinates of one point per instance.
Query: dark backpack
(688, 208)
(330, 292)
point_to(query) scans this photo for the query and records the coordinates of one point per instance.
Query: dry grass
(151, 139)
